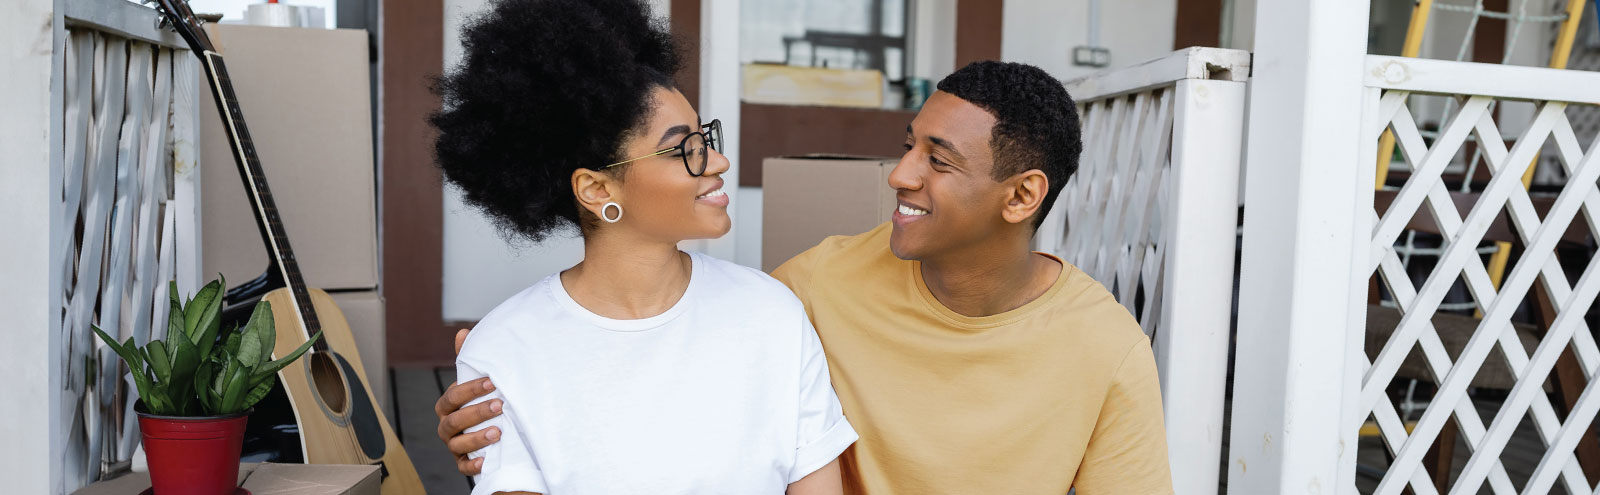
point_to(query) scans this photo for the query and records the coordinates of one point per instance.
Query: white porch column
(31, 455)
(720, 79)
(1294, 384)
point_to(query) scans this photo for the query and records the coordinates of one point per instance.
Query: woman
(641, 369)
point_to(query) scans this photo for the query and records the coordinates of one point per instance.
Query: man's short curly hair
(546, 87)
(1036, 122)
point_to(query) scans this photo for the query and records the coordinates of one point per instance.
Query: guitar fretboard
(255, 185)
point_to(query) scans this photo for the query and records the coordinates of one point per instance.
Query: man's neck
(991, 282)
(628, 278)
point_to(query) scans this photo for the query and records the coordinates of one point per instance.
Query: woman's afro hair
(545, 87)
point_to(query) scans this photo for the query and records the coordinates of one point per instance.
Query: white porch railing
(1388, 82)
(1152, 214)
(126, 216)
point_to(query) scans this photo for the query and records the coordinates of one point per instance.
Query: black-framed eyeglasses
(692, 149)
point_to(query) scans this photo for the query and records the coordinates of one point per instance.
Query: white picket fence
(1152, 215)
(126, 218)
(1389, 82)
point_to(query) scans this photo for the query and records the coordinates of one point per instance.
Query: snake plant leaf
(231, 347)
(219, 382)
(129, 356)
(256, 394)
(250, 351)
(235, 391)
(210, 314)
(193, 309)
(186, 359)
(267, 332)
(203, 389)
(156, 399)
(271, 368)
(160, 362)
(154, 394)
(175, 321)
(133, 351)
(249, 347)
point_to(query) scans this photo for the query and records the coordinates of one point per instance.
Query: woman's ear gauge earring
(605, 212)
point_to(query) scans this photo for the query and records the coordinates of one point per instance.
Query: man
(967, 362)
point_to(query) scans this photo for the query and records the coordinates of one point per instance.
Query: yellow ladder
(1565, 38)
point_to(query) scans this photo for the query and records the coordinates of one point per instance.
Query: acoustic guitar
(334, 408)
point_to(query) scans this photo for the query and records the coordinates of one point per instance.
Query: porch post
(720, 80)
(1294, 384)
(30, 302)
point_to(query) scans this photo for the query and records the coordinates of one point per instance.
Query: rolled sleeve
(811, 457)
(520, 477)
(823, 431)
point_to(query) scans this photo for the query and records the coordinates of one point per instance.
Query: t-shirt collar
(982, 322)
(563, 298)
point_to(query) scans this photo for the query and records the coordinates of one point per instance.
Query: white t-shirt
(725, 392)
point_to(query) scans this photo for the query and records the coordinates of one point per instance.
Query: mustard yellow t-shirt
(1059, 393)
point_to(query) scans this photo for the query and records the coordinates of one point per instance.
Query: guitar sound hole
(328, 383)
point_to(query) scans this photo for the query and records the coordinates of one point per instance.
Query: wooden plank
(978, 30)
(781, 130)
(412, 39)
(1510, 82)
(186, 172)
(415, 391)
(1198, 244)
(1501, 230)
(1189, 63)
(120, 17)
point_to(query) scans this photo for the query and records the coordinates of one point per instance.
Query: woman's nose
(718, 164)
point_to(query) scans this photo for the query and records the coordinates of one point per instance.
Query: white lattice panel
(1389, 85)
(1159, 170)
(1116, 203)
(127, 106)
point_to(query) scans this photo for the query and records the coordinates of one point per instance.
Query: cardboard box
(807, 198)
(276, 479)
(793, 85)
(306, 99)
(364, 312)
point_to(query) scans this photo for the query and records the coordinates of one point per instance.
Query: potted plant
(196, 389)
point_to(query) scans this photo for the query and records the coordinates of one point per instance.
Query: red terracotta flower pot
(193, 455)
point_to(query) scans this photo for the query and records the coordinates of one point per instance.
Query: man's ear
(1025, 195)
(594, 189)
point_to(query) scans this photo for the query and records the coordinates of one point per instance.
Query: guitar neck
(260, 194)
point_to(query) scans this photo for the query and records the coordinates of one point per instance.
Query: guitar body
(339, 420)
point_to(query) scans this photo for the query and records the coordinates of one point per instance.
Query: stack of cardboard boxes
(306, 97)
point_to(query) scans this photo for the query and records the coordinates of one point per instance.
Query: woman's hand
(454, 419)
